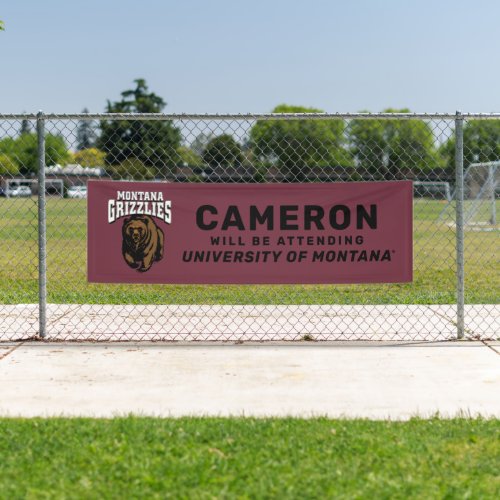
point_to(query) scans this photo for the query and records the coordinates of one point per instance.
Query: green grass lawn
(249, 458)
(434, 267)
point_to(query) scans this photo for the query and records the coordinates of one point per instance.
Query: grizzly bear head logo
(142, 242)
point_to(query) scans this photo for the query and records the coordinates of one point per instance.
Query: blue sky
(248, 56)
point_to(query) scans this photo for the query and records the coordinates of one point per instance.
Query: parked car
(20, 191)
(77, 192)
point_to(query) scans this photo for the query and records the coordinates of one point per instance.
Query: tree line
(297, 150)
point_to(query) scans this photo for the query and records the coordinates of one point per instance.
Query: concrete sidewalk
(394, 381)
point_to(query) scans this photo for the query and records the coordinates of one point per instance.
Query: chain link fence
(47, 160)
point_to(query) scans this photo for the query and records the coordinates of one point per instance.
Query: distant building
(74, 174)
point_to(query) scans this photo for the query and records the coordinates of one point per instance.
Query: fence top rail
(248, 116)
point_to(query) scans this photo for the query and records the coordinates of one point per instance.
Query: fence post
(491, 175)
(459, 200)
(42, 228)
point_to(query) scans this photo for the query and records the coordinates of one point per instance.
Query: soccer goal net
(481, 196)
(435, 190)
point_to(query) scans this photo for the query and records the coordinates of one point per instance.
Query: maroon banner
(149, 232)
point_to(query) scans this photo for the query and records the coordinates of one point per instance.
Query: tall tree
(8, 167)
(297, 146)
(189, 157)
(86, 134)
(223, 152)
(23, 150)
(481, 143)
(153, 143)
(90, 157)
(369, 144)
(391, 149)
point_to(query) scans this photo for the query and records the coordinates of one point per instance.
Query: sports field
(249, 458)
(434, 267)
